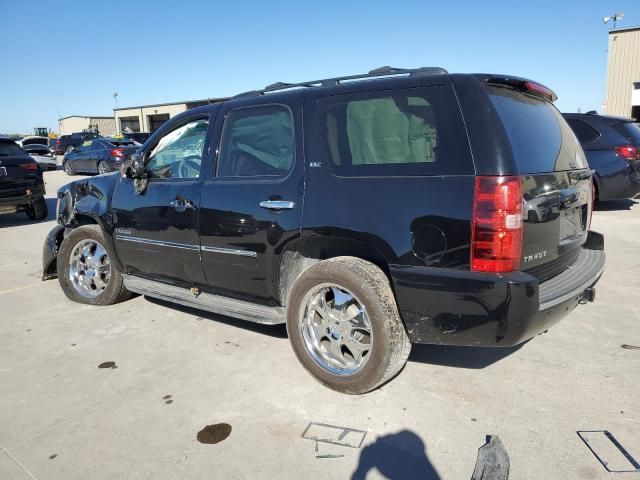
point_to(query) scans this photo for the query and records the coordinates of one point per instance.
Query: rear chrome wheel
(335, 329)
(344, 325)
(89, 268)
(103, 167)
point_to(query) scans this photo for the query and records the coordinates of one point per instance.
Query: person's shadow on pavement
(400, 455)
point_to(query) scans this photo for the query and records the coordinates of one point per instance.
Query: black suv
(68, 143)
(612, 146)
(367, 212)
(21, 183)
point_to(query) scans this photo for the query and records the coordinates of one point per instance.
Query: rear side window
(630, 130)
(396, 133)
(540, 138)
(585, 132)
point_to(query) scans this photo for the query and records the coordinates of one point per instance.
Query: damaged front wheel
(85, 271)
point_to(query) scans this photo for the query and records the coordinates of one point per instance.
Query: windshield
(541, 139)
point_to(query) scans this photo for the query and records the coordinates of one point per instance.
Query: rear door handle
(181, 204)
(277, 204)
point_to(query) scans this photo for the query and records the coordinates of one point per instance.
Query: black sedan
(100, 155)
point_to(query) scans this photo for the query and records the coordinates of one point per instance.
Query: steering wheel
(188, 164)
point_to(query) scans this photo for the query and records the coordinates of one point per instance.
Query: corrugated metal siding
(623, 68)
(106, 126)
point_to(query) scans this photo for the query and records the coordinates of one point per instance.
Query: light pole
(614, 18)
(115, 98)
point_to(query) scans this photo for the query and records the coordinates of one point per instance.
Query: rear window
(9, 149)
(396, 133)
(630, 130)
(541, 139)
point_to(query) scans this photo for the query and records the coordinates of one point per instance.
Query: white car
(42, 155)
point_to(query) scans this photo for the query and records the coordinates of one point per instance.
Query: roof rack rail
(331, 82)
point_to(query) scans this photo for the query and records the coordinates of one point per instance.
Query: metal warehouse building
(623, 73)
(148, 118)
(78, 123)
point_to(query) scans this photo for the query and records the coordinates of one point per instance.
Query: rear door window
(540, 138)
(257, 142)
(396, 133)
(585, 132)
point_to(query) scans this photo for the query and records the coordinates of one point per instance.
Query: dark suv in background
(612, 146)
(68, 143)
(367, 212)
(21, 183)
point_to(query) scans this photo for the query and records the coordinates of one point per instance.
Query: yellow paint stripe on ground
(17, 289)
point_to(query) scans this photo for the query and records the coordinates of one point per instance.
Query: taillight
(57, 142)
(496, 232)
(630, 152)
(28, 166)
(117, 152)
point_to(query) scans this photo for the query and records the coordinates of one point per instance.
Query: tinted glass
(36, 149)
(585, 132)
(257, 142)
(10, 148)
(178, 154)
(405, 132)
(630, 130)
(541, 139)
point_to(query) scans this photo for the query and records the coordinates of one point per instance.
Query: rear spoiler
(523, 85)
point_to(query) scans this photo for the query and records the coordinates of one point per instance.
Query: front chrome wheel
(103, 168)
(89, 268)
(335, 329)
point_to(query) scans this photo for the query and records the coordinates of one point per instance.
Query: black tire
(103, 167)
(390, 342)
(115, 291)
(66, 166)
(37, 210)
(70, 148)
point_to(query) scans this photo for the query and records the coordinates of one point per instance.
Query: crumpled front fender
(50, 252)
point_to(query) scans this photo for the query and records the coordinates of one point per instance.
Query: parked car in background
(612, 146)
(68, 143)
(42, 155)
(21, 183)
(100, 155)
(366, 212)
(138, 137)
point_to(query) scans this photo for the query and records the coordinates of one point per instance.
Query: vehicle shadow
(19, 219)
(460, 357)
(277, 331)
(400, 455)
(613, 205)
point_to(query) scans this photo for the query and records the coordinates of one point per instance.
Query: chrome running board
(230, 307)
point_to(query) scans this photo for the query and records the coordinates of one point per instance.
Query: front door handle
(181, 205)
(277, 204)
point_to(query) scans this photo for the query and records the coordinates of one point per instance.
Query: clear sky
(62, 58)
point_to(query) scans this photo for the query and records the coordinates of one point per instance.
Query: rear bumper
(17, 198)
(451, 307)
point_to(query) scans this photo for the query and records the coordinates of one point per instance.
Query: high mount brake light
(527, 86)
(496, 231)
(630, 152)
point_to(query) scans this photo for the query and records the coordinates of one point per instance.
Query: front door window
(179, 153)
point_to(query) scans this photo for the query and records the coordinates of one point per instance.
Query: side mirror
(133, 167)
